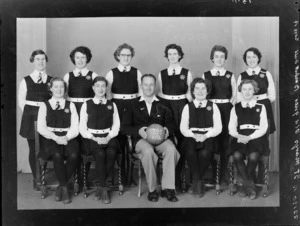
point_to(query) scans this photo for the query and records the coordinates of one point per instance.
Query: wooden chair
(89, 159)
(233, 176)
(134, 160)
(41, 169)
(186, 174)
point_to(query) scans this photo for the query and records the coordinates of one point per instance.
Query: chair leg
(76, 184)
(140, 178)
(85, 194)
(43, 181)
(265, 191)
(232, 187)
(183, 177)
(217, 158)
(120, 180)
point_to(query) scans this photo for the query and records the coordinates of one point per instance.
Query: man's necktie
(40, 78)
(57, 106)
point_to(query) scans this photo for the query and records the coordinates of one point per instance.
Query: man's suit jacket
(136, 116)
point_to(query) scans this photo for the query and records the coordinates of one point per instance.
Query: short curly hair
(100, 78)
(249, 81)
(220, 49)
(84, 50)
(174, 46)
(255, 51)
(37, 52)
(206, 82)
(120, 48)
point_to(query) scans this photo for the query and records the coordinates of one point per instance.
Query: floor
(31, 199)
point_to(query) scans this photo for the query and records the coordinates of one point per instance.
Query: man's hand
(142, 132)
(166, 132)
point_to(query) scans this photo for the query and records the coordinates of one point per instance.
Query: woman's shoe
(199, 192)
(98, 193)
(105, 196)
(192, 188)
(58, 193)
(65, 195)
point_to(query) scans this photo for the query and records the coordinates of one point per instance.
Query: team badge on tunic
(88, 77)
(262, 75)
(182, 77)
(109, 107)
(257, 110)
(228, 76)
(67, 110)
(208, 108)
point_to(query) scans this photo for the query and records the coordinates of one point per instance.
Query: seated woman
(248, 125)
(200, 123)
(99, 125)
(58, 124)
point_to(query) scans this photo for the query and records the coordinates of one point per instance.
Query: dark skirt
(50, 147)
(89, 147)
(270, 115)
(78, 107)
(177, 107)
(190, 143)
(260, 145)
(27, 123)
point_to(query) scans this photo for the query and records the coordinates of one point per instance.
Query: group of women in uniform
(204, 109)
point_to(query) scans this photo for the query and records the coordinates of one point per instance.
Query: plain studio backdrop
(149, 36)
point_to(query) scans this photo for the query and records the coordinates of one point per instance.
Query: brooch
(109, 107)
(208, 108)
(257, 110)
(182, 77)
(228, 76)
(262, 75)
(88, 77)
(67, 110)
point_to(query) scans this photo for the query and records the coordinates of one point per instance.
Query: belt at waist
(99, 131)
(33, 103)
(249, 126)
(124, 96)
(52, 129)
(200, 129)
(174, 97)
(80, 100)
(219, 101)
(261, 97)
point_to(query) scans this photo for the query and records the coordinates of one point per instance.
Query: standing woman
(33, 90)
(223, 95)
(99, 125)
(174, 86)
(79, 82)
(266, 94)
(58, 124)
(124, 83)
(200, 124)
(248, 125)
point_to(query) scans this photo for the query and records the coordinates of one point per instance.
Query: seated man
(143, 112)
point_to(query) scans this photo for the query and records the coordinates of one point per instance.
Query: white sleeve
(42, 125)
(83, 123)
(271, 87)
(139, 78)
(74, 128)
(184, 123)
(109, 77)
(234, 90)
(116, 123)
(239, 96)
(189, 81)
(232, 125)
(22, 92)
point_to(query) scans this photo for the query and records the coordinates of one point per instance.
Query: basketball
(155, 134)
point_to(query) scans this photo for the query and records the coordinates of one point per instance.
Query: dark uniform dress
(50, 149)
(222, 89)
(37, 92)
(248, 116)
(263, 85)
(80, 87)
(124, 83)
(175, 85)
(100, 117)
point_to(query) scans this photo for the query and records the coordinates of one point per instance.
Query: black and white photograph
(151, 113)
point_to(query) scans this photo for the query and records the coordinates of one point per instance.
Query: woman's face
(219, 59)
(100, 89)
(200, 91)
(252, 59)
(39, 62)
(125, 57)
(80, 60)
(247, 91)
(173, 56)
(58, 89)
